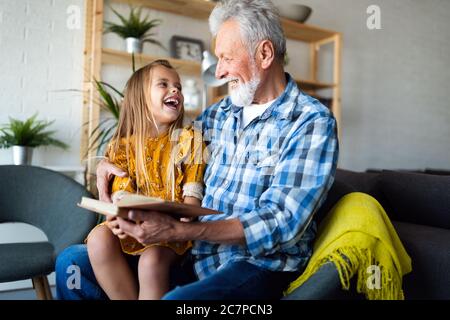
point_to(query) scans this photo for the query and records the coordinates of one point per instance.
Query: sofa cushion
(359, 181)
(415, 198)
(429, 249)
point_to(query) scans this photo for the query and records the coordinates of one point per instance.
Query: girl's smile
(173, 102)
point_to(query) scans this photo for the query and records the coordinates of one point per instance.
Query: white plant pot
(22, 155)
(133, 45)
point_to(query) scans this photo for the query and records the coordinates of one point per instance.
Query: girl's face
(166, 99)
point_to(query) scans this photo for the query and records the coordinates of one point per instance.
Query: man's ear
(265, 54)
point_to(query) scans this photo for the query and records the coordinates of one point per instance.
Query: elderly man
(274, 154)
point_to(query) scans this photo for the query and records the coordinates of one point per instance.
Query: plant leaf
(30, 133)
(133, 26)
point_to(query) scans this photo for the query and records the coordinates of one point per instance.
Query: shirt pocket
(259, 159)
(259, 169)
(268, 161)
(263, 162)
(266, 168)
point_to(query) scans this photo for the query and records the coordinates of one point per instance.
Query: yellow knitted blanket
(359, 229)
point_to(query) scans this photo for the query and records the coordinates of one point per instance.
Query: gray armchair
(48, 201)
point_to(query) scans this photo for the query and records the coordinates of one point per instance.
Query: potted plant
(104, 131)
(23, 136)
(134, 30)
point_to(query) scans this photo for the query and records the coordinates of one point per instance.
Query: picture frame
(186, 48)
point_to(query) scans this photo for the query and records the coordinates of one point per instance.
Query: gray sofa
(419, 207)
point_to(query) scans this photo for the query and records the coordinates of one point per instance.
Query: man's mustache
(229, 79)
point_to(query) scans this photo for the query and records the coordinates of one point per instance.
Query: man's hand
(152, 227)
(105, 171)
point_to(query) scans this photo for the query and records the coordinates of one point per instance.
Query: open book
(136, 201)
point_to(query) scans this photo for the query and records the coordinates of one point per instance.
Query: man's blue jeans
(239, 280)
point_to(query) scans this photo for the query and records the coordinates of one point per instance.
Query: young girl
(162, 160)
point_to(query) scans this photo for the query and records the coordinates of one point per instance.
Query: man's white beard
(244, 93)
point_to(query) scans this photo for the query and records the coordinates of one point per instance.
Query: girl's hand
(116, 196)
(105, 172)
(187, 219)
(113, 225)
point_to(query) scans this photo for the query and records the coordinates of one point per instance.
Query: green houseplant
(134, 29)
(23, 136)
(104, 131)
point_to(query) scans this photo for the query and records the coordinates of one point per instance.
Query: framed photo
(186, 48)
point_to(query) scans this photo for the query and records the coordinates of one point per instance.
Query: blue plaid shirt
(271, 175)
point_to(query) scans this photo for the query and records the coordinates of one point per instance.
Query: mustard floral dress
(188, 176)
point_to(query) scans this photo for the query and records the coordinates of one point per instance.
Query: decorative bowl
(296, 12)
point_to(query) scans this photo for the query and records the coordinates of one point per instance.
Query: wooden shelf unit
(197, 9)
(116, 57)
(309, 85)
(95, 56)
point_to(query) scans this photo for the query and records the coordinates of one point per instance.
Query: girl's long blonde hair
(136, 122)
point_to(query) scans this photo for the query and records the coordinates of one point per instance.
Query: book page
(136, 199)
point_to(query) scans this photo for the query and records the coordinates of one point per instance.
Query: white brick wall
(39, 55)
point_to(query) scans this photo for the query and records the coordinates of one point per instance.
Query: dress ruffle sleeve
(190, 158)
